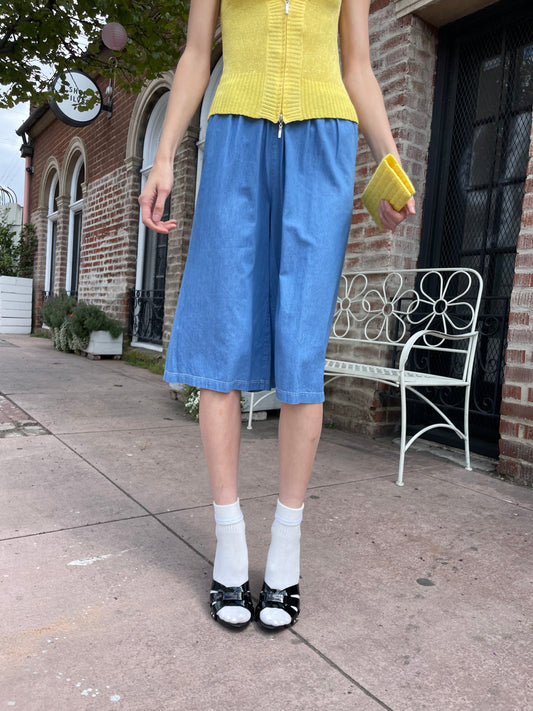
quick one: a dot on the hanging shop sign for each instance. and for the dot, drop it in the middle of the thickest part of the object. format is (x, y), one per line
(83, 103)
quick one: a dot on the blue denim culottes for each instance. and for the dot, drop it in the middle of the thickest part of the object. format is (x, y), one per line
(266, 252)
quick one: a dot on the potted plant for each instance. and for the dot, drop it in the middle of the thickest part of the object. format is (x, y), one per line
(102, 334)
(55, 313)
(78, 326)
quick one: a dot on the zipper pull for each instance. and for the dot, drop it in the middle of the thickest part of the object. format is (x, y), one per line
(286, 7)
(280, 125)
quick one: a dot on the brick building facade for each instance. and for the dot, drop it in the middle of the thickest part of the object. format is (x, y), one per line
(438, 63)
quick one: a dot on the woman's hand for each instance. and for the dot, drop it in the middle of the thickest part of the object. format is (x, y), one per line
(366, 96)
(188, 87)
(153, 197)
(390, 218)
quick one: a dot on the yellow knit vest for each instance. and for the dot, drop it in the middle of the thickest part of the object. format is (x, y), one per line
(281, 59)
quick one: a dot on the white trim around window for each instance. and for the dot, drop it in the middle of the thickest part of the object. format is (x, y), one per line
(76, 206)
(51, 235)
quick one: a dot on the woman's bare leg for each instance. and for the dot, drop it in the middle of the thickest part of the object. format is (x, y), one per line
(300, 427)
(220, 424)
(299, 433)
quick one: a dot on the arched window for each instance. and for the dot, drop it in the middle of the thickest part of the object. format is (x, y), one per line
(74, 227)
(51, 238)
(149, 302)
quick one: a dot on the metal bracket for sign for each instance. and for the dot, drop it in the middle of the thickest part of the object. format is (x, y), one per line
(109, 96)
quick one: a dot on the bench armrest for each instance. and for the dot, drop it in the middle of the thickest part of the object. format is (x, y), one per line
(412, 341)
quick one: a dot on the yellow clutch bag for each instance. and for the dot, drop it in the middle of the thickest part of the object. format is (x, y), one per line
(389, 182)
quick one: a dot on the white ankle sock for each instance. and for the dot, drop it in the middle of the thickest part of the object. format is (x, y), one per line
(283, 560)
(231, 557)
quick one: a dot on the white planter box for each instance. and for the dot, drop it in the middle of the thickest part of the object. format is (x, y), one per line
(101, 343)
(15, 304)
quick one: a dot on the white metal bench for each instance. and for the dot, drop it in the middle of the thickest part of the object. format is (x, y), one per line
(388, 326)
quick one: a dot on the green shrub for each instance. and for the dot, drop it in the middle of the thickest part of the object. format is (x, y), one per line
(27, 249)
(192, 401)
(66, 340)
(72, 322)
(87, 318)
(17, 257)
(8, 250)
(56, 309)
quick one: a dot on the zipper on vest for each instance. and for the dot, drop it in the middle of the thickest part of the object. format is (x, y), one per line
(280, 120)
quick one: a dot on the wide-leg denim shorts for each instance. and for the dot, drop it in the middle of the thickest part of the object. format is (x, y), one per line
(266, 252)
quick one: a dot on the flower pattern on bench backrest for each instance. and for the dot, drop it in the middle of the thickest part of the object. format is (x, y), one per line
(387, 307)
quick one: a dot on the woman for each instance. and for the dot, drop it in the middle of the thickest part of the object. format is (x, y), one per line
(267, 247)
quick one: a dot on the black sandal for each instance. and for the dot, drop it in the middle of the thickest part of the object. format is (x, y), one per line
(220, 596)
(287, 600)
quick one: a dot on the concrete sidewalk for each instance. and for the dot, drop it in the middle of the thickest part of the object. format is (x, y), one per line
(413, 598)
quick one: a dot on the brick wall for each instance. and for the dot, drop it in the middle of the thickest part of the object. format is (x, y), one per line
(109, 242)
(516, 425)
(110, 210)
(403, 58)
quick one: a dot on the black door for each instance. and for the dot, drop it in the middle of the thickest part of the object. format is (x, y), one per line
(476, 176)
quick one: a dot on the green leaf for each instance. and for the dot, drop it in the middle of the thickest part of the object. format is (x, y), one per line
(33, 34)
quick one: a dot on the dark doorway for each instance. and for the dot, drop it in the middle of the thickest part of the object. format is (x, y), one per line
(476, 175)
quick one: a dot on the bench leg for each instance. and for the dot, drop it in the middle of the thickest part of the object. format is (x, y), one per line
(466, 429)
(250, 414)
(403, 436)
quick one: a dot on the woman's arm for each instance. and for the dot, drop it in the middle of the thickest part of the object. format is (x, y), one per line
(189, 85)
(366, 95)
